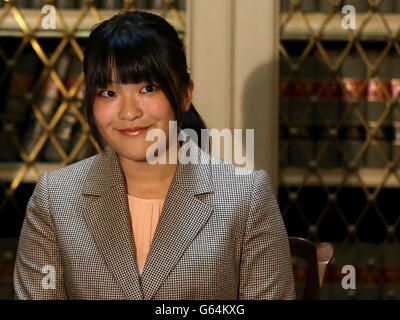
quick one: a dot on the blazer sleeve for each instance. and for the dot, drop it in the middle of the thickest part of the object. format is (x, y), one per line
(266, 268)
(38, 272)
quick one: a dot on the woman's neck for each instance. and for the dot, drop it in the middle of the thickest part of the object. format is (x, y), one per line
(145, 180)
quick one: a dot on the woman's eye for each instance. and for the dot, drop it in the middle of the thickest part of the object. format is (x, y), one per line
(107, 93)
(148, 88)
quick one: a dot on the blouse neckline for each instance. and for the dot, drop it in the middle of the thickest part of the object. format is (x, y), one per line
(145, 199)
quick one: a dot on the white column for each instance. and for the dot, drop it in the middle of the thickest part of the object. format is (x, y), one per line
(232, 48)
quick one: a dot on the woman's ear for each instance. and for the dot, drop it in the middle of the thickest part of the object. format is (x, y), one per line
(188, 97)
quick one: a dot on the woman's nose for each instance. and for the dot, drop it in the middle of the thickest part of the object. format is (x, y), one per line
(129, 109)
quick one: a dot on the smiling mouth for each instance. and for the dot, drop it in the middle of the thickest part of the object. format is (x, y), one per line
(133, 132)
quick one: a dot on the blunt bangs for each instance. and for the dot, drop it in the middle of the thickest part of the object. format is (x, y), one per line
(133, 60)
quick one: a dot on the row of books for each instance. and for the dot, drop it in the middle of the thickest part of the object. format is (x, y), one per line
(352, 118)
(373, 89)
(386, 6)
(354, 103)
(340, 133)
(20, 125)
(315, 93)
(333, 154)
(100, 4)
(351, 69)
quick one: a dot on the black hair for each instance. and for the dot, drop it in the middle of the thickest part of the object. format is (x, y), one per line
(140, 47)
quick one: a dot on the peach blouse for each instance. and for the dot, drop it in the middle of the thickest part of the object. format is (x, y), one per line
(145, 214)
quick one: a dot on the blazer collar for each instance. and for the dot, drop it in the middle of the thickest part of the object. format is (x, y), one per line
(105, 172)
(182, 217)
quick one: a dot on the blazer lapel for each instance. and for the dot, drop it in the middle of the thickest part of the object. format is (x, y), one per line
(107, 217)
(182, 217)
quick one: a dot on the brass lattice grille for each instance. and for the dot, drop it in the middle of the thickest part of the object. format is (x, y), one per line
(42, 123)
(339, 116)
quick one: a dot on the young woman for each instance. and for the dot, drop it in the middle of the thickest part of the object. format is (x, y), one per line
(115, 226)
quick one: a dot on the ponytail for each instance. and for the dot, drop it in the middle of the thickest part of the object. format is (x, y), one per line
(193, 120)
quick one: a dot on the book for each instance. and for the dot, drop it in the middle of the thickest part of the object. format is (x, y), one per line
(359, 5)
(157, 4)
(284, 95)
(305, 5)
(142, 4)
(69, 130)
(64, 130)
(284, 5)
(327, 5)
(13, 113)
(353, 72)
(395, 145)
(378, 97)
(329, 108)
(301, 112)
(65, 4)
(283, 147)
(81, 3)
(180, 4)
(87, 150)
(36, 4)
(387, 6)
(324, 6)
(309, 5)
(22, 3)
(300, 152)
(111, 4)
(395, 93)
(46, 99)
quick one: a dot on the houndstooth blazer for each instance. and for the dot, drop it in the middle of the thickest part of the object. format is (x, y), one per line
(220, 236)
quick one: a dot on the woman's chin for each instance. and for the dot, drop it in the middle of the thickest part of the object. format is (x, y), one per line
(140, 152)
(133, 156)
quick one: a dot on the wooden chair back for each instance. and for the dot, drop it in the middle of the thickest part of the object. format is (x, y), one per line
(317, 257)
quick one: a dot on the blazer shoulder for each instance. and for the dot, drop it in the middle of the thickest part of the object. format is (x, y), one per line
(73, 174)
(235, 179)
(229, 172)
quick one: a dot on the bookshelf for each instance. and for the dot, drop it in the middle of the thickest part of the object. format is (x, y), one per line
(339, 172)
(83, 19)
(295, 27)
(318, 31)
(370, 177)
(10, 170)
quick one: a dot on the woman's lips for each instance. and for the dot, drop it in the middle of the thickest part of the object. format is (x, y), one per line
(133, 132)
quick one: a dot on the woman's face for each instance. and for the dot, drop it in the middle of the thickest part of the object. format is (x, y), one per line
(118, 110)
